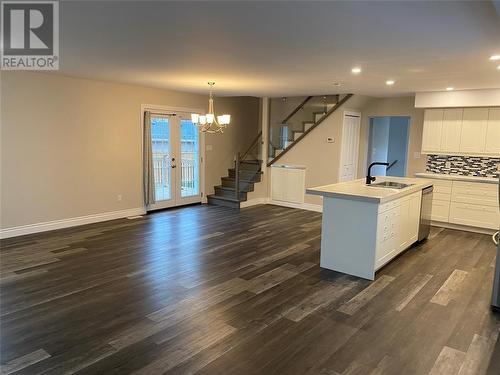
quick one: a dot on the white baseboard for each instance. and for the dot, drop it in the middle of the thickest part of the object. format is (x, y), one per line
(462, 227)
(71, 222)
(302, 206)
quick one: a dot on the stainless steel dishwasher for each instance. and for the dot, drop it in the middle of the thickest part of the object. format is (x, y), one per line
(425, 213)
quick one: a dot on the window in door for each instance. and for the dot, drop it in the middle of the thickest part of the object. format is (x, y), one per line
(162, 154)
(176, 160)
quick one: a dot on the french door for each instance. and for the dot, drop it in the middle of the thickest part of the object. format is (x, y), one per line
(176, 160)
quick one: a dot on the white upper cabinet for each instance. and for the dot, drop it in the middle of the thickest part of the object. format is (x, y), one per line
(433, 126)
(462, 131)
(452, 130)
(493, 132)
(474, 127)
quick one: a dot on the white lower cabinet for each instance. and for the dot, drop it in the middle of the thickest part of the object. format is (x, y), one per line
(288, 184)
(397, 227)
(474, 215)
(440, 210)
(473, 204)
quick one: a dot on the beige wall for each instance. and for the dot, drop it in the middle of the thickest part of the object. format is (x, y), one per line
(322, 159)
(69, 146)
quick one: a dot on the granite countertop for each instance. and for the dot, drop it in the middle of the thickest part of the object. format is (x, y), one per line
(456, 177)
(358, 190)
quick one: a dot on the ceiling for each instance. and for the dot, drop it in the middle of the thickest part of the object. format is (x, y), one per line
(284, 48)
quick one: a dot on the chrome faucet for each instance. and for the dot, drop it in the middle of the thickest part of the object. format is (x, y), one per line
(369, 178)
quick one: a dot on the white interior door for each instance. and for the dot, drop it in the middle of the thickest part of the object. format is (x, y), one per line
(350, 146)
(176, 160)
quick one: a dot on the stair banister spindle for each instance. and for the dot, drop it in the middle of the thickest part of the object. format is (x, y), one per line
(237, 176)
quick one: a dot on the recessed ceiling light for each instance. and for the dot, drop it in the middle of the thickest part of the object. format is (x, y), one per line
(356, 70)
(450, 89)
(498, 67)
(389, 82)
(495, 57)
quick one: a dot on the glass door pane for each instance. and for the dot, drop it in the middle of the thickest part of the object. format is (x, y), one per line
(162, 157)
(190, 158)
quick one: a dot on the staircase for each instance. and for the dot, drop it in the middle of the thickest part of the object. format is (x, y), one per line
(317, 109)
(248, 168)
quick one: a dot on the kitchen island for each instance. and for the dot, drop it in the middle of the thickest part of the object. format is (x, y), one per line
(364, 227)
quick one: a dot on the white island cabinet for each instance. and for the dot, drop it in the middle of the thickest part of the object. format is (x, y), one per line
(364, 227)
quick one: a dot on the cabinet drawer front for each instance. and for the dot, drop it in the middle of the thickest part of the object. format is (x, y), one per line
(440, 211)
(474, 215)
(477, 186)
(439, 182)
(389, 205)
(480, 197)
(441, 197)
(442, 189)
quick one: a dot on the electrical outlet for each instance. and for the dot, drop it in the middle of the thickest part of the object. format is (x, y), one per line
(447, 165)
(119, 198)
(416, 155)
(209, 148)
(498, 167)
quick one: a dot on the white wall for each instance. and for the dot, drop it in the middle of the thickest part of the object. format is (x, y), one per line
(69, 146)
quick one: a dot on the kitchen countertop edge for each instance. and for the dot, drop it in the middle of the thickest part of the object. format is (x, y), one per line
(364, 198)
(455, 177)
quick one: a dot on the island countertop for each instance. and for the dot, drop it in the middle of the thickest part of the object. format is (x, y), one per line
(358, 190)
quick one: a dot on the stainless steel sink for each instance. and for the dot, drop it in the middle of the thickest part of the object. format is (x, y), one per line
(390, 185)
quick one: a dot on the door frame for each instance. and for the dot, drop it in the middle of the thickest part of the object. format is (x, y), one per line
(341, 148)
(170, 109)
(368, 128)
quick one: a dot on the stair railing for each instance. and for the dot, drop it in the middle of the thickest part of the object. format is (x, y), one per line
(298, 108)
(237, 176)
(312, 103)
(239, 158)
(252, 145)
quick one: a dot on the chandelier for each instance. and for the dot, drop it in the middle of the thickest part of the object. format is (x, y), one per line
(209, 123)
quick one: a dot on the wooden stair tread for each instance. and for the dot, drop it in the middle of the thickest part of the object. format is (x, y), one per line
(226, 199)
(229, 188)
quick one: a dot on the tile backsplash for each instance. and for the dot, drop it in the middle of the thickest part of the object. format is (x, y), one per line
(463, 165)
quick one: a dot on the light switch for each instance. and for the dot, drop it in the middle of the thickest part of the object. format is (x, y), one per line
(209, 148)
(416, 155)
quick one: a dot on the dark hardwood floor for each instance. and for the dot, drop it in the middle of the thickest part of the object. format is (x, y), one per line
(211, 290)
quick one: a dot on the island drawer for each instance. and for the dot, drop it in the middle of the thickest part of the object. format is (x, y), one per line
(389, 205)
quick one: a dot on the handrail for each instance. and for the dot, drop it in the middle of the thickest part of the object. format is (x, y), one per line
(333, 109)
(237, 176)
(299, 107)
(254, 142)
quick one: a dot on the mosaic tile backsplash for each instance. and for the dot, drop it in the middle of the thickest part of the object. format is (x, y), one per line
(463, 165)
